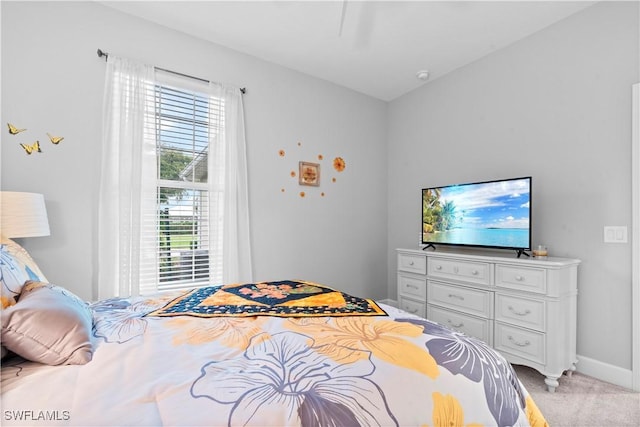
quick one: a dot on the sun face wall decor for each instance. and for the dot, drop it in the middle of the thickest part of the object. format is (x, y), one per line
(308, 173)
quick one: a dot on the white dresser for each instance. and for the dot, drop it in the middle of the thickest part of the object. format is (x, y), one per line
(523, 307)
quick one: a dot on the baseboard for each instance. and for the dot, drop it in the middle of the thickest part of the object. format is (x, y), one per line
(605, 372)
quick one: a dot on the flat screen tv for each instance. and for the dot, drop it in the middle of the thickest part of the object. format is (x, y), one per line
(490, 214)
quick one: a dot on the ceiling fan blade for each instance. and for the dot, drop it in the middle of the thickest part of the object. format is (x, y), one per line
(365, 11)
(364, 28)
(344, 13)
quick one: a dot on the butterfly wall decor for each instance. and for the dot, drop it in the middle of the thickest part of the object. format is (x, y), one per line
(55, 139)
(32, 148)
(14, 130)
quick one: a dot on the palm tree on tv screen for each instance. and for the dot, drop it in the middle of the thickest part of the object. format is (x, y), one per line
(447, 218)
(430, 209)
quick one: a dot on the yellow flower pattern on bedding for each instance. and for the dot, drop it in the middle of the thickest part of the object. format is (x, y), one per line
(448, 412)
(398, 370)
(6, 301)
(534, 415)
(230, 331)
(385, 339)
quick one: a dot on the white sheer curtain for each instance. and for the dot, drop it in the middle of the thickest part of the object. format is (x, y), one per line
(128, 175)
(227, 153)
(127, 199)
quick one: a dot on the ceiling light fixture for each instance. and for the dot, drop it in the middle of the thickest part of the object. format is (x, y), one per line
(423, 75)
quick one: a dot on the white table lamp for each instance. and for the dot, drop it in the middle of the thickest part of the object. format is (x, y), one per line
(23, 215)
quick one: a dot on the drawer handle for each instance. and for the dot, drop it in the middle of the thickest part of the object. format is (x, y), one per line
(519, 344)
(414, 311)
(519, 313)
(460, 297)
(438, 267)
(519, 278)
(475, 272)
(455, 325)
(410, 262)
(456, 269)
(412, 286)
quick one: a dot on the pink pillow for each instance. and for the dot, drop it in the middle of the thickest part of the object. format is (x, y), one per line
(50, 325)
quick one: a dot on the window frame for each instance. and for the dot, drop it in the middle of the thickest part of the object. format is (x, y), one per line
(213, 124)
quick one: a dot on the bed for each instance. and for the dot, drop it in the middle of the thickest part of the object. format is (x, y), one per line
(277, 353)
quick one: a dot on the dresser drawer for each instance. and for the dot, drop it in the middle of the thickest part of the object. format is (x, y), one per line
(525, 312)
(469, 325)
(412, 263)
(521, 278)
(412, 307)
(468, 271)
(520, 342)
(473, 301)
(415, 286)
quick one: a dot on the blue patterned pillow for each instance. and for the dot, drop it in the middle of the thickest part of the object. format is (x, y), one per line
(16, 267)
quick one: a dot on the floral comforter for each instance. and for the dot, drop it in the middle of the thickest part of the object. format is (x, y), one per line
(399, 370)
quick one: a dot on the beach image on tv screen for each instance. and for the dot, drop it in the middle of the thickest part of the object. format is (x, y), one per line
(483, 214)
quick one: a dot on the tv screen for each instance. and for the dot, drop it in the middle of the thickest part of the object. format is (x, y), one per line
(492, 214)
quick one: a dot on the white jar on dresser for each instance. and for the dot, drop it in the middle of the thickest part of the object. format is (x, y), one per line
(523, 307)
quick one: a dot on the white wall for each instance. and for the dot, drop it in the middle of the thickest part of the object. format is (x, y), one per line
(52, 81)
(556, 106)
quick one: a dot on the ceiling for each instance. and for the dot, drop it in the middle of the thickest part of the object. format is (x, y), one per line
(373, 47)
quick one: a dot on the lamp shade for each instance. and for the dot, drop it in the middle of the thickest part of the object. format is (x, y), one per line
(23, 215)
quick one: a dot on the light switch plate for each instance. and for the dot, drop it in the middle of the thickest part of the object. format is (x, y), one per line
(615, 234)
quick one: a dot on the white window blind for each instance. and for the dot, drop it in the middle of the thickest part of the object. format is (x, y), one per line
(187, 236)
(173, 200)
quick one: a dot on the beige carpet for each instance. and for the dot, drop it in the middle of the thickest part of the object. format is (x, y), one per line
(581, 400)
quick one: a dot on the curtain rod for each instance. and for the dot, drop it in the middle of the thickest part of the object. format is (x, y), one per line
(102, 53)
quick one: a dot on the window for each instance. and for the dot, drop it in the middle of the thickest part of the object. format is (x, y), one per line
(186, 121)
(173, 203)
